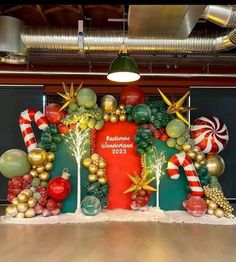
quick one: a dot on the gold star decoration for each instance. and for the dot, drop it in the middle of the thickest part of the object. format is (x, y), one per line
(69, 95)
(140, 182)
(176, 107)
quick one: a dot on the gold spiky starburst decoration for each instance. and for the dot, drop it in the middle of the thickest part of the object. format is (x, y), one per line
(177, 107)
(140, 182)
(69, 95)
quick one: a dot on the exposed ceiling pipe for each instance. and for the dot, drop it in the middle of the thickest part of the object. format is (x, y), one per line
(222, 15)
(60, 73)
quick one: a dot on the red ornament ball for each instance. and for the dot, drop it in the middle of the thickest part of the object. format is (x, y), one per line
(59, 188)
(196, 206)
(132, 95)
(63, 129)
(53, 113)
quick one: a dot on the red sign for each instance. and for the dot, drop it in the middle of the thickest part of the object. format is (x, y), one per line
(115, 143)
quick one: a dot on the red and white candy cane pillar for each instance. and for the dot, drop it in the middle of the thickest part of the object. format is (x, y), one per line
(26, 129)
(185, 161)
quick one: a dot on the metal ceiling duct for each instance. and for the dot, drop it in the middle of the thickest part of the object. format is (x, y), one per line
(12, 49)
(111, 41)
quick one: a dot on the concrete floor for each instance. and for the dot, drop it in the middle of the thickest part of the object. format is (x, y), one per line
(118, 242)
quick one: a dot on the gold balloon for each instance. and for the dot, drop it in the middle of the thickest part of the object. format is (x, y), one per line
(34, 173)
(22, 207)
(113, 119)
(15, 201)
(92, 177)
(87, 162)
(200, 156)
(118, 111)
(121, 106)
(197, 165)
(28, 192)
(30, 213)
(34, 167)
(187, 146)
(101, 173)
(215, 165)
(102, 164)
(196, 149)
(32, 202)
(40, 169)
(192, 154)
(95, 157)
(210, 212)
(108, 103)
(20, 215)
(49, 166)
(44, 176)
(122, 117)
(22, 198)
(212, 205)
(203, 162)
(106, 117)
(11, 210)
(102, 180)
(219, 212)
(51, 156)
(93, 169)
(37, 156)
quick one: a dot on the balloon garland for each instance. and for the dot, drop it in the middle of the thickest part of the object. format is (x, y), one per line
(32, 191)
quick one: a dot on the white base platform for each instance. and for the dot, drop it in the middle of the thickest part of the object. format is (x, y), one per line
(120, 215)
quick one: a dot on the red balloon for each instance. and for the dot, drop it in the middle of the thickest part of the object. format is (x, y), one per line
(53, 114)
(59, 188)
(196, 206)
(132, 95)
(63, 129)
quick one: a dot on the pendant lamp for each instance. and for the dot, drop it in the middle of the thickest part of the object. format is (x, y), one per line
(123, 68)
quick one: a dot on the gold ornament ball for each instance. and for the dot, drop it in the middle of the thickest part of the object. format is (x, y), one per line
(197, 165)
(122, 107)
(208, 200)
(113, 119)
(212, 205)
(20, 215)
(28, 192)
(102, 164)
(200, 156)
(102, 180)
(187, 146)
(51, 156)
(11, 210)
(192, 154)
(210, 211)
(106, 117)
(108, 103)
(203, 162)
(37, 156)
(215, 165)
(101, 173)
(32, 202)
(34, 173)
(44, 176)
(118, 112)
(34, 167)
(122, 118)
(49, 166)
(30, 213)
(22, 198)
(22, 207)
(87, 162)
(40, 169)
(196, 149)
(92, 177)
(93, 169)
(219, 212)
(95, 157)
(15, 201)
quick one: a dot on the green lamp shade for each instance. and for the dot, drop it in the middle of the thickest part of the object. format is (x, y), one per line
(123, 69)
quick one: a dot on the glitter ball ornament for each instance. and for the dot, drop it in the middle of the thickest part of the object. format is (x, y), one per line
(90, 206)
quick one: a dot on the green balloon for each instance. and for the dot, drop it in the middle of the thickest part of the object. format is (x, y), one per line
(14, 163)
(86, 97)
(175, 128)
(141, 113)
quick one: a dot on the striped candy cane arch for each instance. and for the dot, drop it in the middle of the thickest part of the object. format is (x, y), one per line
(210, 134)
(26, 129)
(185, 161)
